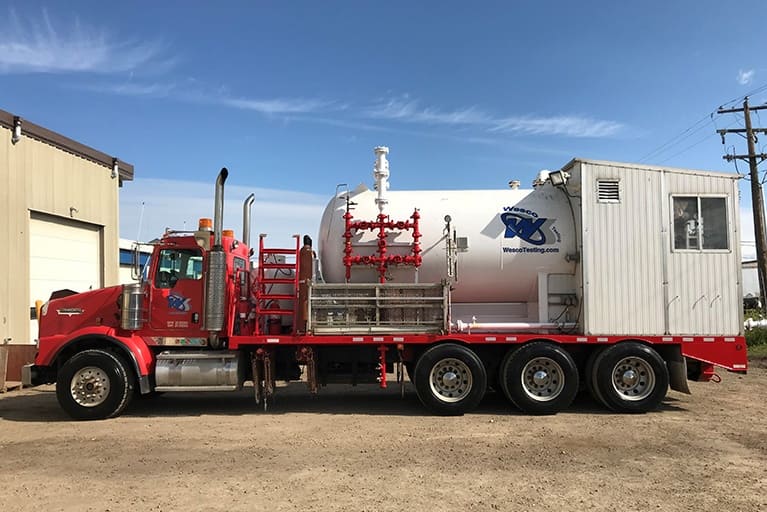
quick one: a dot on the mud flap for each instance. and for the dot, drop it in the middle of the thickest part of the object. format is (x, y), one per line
(677, 370)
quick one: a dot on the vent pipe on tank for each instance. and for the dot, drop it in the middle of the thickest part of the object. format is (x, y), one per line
(246, 219)
(541, 179)
(381, 175)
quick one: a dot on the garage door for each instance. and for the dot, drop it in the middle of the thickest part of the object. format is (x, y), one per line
(63, 254)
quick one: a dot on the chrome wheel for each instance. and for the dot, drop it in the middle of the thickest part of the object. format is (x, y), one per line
(450, 380)
(633, 378)
(542, 379)
(539, 377)
(90, 386)
(630, 377)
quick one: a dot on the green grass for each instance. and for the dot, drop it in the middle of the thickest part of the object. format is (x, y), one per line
(756, 339)
(757, 351)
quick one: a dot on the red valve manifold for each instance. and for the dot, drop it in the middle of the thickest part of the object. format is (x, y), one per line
(381, 260)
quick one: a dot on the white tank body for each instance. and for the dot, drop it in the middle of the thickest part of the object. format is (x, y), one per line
(505, 239)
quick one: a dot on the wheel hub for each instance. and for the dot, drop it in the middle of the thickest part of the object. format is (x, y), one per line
(633, 378)
(629, 377)
(540, 377)
(89, 386)
(450, 380)
(543, 379)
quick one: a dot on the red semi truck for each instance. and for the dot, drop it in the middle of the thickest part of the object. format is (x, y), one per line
(203, 318)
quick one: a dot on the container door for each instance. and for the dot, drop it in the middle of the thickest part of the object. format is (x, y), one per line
(703, 295)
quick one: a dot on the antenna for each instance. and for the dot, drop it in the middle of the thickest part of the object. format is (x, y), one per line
(140, 220)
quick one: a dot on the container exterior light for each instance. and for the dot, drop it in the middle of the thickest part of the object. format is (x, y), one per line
(16, 137)
(557, 178)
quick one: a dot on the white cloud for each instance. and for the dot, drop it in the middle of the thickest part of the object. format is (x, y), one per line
(43, 47)
(274, 106)
(745, 77)
(403, 110)
(571, 126)
(407, 110)
(156, 90)
(179, 204)
(192, 92)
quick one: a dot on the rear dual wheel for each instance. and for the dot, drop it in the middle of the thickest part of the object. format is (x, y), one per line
(539, 378)
(450, 379)
(629, 377)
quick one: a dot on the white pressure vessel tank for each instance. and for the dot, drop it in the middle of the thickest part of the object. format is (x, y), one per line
(504, 239)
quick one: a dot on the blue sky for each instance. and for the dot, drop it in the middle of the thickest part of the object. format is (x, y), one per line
(292, 97)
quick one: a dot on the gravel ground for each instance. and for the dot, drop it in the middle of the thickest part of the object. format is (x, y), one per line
(366, 449)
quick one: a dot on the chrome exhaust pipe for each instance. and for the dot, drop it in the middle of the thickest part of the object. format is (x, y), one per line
(218, 212)
(246, 219)
(215, 289)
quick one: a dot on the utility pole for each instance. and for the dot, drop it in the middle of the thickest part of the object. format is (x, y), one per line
(757, 193)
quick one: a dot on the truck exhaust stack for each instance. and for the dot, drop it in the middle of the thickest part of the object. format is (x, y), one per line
(215, 291)
(246, 218)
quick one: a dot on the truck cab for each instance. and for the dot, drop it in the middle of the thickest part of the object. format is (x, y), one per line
(101, 346)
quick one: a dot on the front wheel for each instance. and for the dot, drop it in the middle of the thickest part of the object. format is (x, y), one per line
(93, 385)
(450, 379)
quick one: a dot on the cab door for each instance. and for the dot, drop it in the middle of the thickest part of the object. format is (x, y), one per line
(177, 296)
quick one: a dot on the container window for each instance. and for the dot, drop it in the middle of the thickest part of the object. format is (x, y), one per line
(700, 223)
(608, 191)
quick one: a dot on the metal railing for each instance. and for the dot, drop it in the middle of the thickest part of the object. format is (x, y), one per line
(370, 308)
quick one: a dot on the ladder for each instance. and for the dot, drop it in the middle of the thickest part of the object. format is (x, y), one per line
(275, 271)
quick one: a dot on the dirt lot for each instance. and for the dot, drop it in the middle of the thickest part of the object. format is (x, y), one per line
(363, 449)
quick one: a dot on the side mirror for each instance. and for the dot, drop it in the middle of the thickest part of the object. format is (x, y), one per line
(135, 271)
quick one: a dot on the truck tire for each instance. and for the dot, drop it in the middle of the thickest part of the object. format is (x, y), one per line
(631, 377)
(93, 385)
(590, 375)
(410, 367)
(539, 378)
(450, 379)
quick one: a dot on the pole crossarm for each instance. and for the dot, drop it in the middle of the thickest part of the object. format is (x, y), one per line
(761, 156)
(742, 130)
(733, 110)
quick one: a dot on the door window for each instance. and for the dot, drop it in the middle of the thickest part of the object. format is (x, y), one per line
(178, 264)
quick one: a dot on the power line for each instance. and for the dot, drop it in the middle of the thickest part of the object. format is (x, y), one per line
(750, 93)
(685, 134)
(704, 139)
(696, 127)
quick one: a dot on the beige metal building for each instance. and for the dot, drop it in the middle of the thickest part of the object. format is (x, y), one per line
(59, 222)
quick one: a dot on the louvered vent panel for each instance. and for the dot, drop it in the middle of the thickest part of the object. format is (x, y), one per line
(608, 191)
